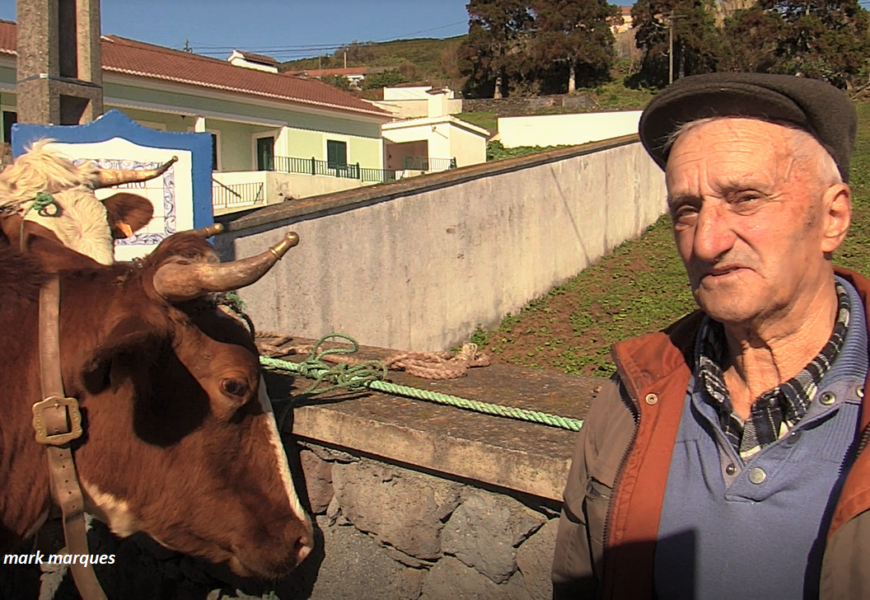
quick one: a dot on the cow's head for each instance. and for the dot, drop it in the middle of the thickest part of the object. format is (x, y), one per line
(180, 441)
(80, 221)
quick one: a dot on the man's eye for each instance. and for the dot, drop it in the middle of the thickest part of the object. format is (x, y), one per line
(746, 202)
(684, 215)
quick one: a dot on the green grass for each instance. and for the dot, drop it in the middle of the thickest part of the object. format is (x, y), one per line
(487, 120)
(638, 288)
(615, 96)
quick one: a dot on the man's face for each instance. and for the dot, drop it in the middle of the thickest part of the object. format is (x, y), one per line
(749, 221)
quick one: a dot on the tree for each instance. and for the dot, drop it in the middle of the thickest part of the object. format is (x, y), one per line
(575, 33)
(383, 79)
(498, 32)
(822, 40)
(337, 81)
(697, 40)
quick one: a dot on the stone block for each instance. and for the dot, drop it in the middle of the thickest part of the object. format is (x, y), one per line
(535, 560)
(450, 579)
(486, 529)
(318, 480)
(398, 507)
(355, 566)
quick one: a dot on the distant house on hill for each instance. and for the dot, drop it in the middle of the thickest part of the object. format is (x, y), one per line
(355, 75)
(624, 24)
(253, 61)
(277, 136)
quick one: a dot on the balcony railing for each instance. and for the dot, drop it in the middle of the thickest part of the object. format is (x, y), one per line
(312, 166)
(237, 194)
(424, 163)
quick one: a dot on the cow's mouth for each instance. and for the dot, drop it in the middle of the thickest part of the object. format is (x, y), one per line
(265, 568)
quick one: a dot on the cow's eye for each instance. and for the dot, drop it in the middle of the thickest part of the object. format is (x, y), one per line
(235, 387)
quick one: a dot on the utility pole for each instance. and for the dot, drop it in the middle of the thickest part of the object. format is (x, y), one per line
(670, 48)
(345, 59)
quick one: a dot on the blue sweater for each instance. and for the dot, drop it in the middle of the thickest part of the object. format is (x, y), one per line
(757, 530)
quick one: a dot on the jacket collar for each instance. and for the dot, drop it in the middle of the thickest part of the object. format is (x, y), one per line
(647, 359)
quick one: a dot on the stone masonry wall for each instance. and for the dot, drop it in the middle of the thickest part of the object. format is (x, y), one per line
(516, 107)
(395, 533)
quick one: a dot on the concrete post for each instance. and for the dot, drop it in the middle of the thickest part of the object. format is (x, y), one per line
(59, 62)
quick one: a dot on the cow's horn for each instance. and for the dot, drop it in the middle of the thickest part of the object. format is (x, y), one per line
(178, 282)
(109, 177)
(207, 232)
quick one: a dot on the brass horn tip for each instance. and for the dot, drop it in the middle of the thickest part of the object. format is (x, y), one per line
(281, 248)
(207, 232)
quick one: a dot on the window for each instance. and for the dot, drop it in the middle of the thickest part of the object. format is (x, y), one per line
(266, 153)
(214, 152)
(10, 118)
(336, 154)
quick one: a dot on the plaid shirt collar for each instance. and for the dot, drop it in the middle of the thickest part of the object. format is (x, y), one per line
(777, 410)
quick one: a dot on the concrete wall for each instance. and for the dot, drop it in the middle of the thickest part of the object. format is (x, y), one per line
(420, 263)
(556, 130)
(466, 147)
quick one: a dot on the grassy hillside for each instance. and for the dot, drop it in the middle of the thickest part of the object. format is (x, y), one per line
(424, 59)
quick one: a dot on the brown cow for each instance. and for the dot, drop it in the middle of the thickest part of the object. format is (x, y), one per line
(179, 440)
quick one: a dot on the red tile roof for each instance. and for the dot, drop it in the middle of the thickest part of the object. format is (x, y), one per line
(121, 55)
(261, 58)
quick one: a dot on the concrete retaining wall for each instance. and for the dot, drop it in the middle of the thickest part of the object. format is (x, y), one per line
(556, 130)
(420, 263)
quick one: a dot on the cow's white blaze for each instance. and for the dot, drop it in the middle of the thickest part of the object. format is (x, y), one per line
(111, 510)
(281, 457)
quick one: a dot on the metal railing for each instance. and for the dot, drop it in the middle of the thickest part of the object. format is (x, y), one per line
(424, 163)
(312, 166)
(236, 194)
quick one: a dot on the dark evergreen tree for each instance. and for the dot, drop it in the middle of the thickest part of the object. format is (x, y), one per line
(575, 35)
(697, 43)
(496, 47)
(822, 40)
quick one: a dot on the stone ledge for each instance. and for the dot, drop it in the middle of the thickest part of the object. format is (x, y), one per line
(506, 453)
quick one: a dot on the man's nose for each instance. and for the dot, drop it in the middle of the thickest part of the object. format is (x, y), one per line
(713, 233)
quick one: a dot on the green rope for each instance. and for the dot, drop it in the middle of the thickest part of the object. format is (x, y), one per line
(366, 375)
(42, 201)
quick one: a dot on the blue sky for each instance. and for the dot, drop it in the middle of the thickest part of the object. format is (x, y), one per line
(283, 29)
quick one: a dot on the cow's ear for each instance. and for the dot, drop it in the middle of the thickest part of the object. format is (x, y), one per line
(134, 340)
(127, 213)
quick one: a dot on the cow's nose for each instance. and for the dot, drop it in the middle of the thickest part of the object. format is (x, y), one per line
(304, 545)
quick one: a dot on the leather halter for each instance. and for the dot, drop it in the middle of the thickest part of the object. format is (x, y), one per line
(57, 422)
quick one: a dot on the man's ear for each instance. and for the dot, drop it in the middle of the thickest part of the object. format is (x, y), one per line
(837, 204)
(127, 213)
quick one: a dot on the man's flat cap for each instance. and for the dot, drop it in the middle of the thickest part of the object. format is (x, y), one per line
(812, 105)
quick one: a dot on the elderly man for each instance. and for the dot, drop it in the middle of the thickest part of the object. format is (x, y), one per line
(725, 460)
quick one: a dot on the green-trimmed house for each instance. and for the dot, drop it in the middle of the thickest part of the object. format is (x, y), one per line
(277, 136)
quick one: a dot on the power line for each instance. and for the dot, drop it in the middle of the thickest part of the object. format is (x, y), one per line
(208, 50)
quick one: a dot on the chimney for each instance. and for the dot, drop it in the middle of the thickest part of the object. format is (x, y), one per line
(438, 98)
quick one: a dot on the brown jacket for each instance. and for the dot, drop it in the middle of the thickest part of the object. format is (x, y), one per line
(605, 546)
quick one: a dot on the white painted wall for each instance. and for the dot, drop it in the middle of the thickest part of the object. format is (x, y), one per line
(556, 130)
(419, 269)
(448, 137)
